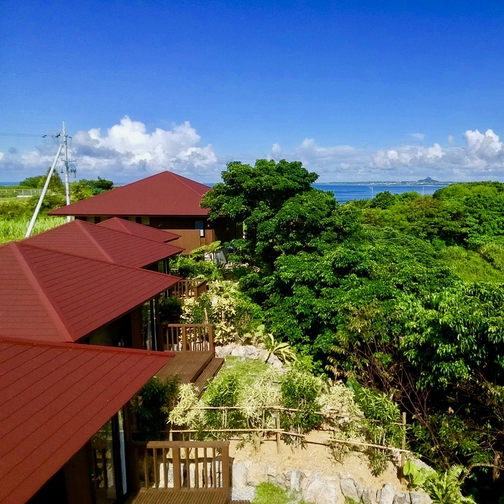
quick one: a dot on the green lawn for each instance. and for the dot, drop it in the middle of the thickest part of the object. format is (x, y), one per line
(15, 229)
(267, 493)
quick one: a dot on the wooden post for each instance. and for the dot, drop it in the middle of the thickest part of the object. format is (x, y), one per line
(146, 467)
(184, 338)
(277, 422)
(210, 338)
(176, 467)
(403, 444)
(165, 469)
(226, 483)
(187, 468)
(156, 468)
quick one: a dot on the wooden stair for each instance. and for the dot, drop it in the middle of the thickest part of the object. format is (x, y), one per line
(208, 372)
(186, 365)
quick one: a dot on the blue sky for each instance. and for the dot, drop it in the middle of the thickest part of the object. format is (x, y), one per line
(356, 90)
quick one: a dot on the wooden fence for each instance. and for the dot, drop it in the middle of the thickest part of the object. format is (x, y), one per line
(19, 193)
(188, 337)
(188, 288)
(279, 431)
(184, 465)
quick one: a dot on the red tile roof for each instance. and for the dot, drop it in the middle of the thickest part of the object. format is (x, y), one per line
(53, 398)
(163, 194)
(89, 240)
(140, 230)
(52, 296)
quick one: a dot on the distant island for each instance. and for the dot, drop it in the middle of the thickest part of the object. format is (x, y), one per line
(425, 181)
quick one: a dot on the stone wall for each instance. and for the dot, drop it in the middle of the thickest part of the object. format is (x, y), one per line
(316, 488)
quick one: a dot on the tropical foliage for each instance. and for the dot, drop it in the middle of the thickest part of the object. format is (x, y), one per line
(401, 294)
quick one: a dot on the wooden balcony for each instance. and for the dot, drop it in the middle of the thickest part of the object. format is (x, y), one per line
(194, 360)
(182, 472)
(188, 288)
(187, 337)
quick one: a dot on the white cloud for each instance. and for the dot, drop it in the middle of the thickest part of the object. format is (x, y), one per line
(128, 148)
(408, 155)
(276, 149)
(481, 157)
(127, 151)
(482, 154)
(418, 136)
(341, 162)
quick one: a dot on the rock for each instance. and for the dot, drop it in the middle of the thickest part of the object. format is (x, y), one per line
(386, 494)
(247, 351)
(243, 494)
(274, 361)
(257, 474)
(420, 498)
(348, 489)
(402, 498)
(321, 492)
(222, 351)
(368, 496)
(421, 464)
(359, 489)
(271, 472)
(240, 475)
(296, 480)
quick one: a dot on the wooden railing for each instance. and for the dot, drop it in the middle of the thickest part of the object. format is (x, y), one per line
(188, 288)
(187, 337)
(184, 465)
(102, 462)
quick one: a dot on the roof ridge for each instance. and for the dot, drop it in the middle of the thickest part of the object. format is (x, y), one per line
(183, 181)
(127, 232)
(72, 254)
(134, 236)
(95, 242)
(83, 346)
(40, 290)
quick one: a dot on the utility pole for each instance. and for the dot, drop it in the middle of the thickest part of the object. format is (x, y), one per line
(42, 194)
(67, 168)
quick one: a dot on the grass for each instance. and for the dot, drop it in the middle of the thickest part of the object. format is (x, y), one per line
(470, 266)
(15, 229)
(247, 370)
(268, 493)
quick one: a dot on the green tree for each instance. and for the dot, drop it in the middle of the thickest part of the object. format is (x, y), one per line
(253, 196)
(37, 182)
(83, 188)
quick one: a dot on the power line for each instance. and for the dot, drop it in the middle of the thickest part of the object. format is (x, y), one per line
(28, 135)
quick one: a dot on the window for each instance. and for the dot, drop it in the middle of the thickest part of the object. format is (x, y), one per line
(199, 224)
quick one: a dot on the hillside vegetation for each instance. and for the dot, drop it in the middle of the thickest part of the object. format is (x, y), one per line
(15, 213)
(401, 295)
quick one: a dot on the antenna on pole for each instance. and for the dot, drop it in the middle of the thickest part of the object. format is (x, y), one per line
(68, 168)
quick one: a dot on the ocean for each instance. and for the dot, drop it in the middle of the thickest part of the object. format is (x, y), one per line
(348, 192)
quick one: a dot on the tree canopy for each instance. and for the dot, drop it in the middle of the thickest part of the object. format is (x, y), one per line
(401, 293)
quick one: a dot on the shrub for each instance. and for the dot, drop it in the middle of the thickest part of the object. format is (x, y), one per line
(170, 309)
(300, 391)
(151, 407)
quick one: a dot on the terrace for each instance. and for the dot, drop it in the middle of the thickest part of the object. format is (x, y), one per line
(194, 360)
(182, 472)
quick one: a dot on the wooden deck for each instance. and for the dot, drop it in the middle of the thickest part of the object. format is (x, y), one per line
(180, 497)
(191, 367)
(183, 472)
(183, 497)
